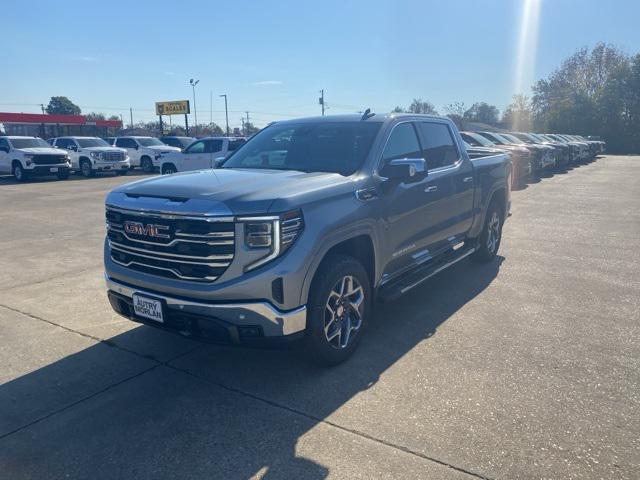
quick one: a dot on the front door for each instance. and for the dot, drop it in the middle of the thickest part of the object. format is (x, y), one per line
(409, 210)
(133, 149)
(196, 157)
(5, 164)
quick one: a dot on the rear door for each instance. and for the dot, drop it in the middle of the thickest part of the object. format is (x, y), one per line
(215, 148)
(452, 173)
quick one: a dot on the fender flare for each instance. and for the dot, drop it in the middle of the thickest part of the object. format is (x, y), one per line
(330, 241)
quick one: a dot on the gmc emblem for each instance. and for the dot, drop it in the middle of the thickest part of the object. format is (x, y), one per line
(149, 230)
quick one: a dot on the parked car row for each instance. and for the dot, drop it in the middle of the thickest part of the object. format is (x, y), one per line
(27, 157)
(533, 153)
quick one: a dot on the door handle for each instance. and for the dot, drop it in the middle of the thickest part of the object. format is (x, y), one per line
(467, 179)
(430, 189)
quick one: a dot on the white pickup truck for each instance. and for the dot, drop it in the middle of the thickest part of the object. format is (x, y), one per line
(25, 157)
(92, 154)
(201, 154)
(144, 152)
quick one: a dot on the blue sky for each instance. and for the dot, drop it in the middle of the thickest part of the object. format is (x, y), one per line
(272, 57)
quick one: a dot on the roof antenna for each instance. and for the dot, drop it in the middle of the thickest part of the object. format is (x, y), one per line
(367, 114)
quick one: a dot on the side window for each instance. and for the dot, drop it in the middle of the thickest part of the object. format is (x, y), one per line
(213, 146)
(439, 148)
(402, 143)
(470, 140)
(62, 143)
(197, 147)
(4, 144)
(126, 143)
(233, 144)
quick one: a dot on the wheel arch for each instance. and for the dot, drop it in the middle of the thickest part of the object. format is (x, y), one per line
(359, 245)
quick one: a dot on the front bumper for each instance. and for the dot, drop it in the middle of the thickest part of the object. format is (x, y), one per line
(229, 322)
(111, 166)
(46, 169)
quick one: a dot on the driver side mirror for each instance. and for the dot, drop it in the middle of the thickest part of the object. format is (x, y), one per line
(136, 146)
(406, 170)
(218, 161)
(4, 149)
(73, 147)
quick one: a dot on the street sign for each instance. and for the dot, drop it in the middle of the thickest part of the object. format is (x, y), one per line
(177, 107)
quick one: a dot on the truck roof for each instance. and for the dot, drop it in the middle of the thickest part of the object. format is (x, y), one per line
(376, 118)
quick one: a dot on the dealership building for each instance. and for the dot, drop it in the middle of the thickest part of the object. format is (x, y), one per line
(47, 126)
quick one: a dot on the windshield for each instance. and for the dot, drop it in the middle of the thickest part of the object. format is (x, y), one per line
(29, 143)
(513, 139)
(338, 147)
(478, 140)
(91, 142)
(149, 142)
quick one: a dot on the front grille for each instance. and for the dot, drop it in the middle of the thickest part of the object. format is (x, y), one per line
(112, 156)
(49, 159)
(196, 249)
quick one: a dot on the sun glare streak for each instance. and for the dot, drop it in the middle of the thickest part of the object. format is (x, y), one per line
(527, 46)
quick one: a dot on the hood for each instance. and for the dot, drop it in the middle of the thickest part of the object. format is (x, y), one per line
(43, 151)
(163, 148)
(242, 191)
(103, 149)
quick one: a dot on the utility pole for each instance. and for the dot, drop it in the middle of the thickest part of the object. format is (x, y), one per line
(248, 123)
(243, 130)
(131, 114)
(321, 100)
(42, 107)
(226, 111)
(211, 107)
(121, 122)
(195, 110)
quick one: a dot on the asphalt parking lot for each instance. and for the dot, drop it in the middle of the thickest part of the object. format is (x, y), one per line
(528, 367)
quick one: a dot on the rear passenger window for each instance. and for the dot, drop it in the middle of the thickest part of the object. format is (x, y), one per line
(233, 144)
(402, 143)
(213, 146)
(438, 146)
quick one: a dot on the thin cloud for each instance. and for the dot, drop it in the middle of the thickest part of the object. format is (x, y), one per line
(268, 82)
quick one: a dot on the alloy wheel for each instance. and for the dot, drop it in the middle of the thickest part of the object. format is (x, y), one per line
(493, 231)
(343, 312)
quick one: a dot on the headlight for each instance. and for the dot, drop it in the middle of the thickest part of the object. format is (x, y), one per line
(274, 234)
(95, 154)
(28, 156)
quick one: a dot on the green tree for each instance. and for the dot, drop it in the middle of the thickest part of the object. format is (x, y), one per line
(397, 109)
(93, 116)
(455, 111)
(62, 106)
(420, 106)
(518, 115)
(482, 112)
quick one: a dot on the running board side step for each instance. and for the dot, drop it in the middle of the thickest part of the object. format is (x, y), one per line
(398, 287)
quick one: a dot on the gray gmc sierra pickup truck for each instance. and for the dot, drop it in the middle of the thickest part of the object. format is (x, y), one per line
(296, 234)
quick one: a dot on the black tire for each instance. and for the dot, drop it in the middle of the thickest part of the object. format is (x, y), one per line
(487, 250)
(169, 169)
(63, 175)
(19, 173)
(85, 169)
(146, 164)
(323, 299)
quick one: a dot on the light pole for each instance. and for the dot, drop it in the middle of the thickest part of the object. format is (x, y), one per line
(226, 111)
(195, 111)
